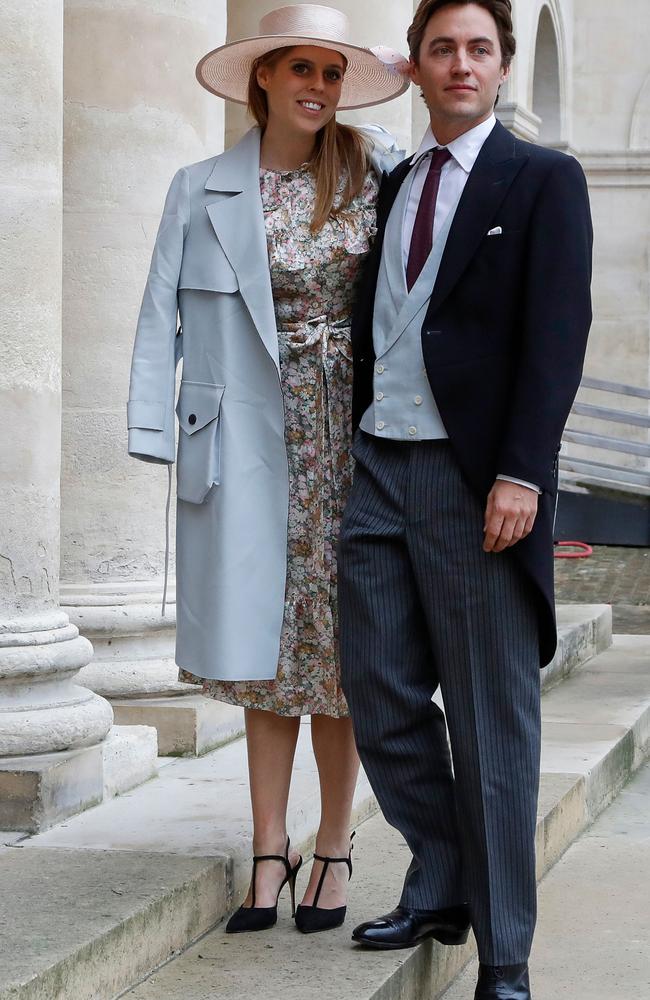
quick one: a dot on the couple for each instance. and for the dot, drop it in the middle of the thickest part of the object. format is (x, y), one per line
(456, 285)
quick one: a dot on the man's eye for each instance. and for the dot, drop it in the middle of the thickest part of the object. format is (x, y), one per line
(442, 50)
(481, 51)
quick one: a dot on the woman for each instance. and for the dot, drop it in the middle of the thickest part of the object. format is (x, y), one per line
(260, 249)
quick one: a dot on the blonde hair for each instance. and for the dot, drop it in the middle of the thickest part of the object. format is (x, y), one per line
(341, 151)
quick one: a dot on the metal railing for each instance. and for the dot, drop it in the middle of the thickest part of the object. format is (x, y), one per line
(587, 471)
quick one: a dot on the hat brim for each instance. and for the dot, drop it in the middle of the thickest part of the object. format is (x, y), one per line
(225, 71)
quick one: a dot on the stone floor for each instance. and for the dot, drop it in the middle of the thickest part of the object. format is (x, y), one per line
(593, 932)
(616, 576)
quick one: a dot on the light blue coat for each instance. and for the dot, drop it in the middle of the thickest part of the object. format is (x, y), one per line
(210, 266)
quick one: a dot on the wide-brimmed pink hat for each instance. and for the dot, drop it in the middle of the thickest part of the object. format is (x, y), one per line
(372, 76)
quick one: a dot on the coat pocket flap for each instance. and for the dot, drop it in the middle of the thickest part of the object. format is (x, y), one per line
(209, 274)
(198, 404)
(148, 416)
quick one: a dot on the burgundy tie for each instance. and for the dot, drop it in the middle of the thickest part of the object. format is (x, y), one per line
(422, 238)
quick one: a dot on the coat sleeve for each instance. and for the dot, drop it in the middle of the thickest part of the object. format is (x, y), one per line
(150, 411)
(556, 321)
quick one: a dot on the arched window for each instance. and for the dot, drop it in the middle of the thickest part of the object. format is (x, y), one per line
(546, 81)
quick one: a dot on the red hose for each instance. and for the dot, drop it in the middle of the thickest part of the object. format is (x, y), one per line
(584, 550)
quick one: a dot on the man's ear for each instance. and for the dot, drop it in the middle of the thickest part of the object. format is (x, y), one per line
(505, 73)
(413, 71)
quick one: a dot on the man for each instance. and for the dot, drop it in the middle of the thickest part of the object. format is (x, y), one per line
(466, 366)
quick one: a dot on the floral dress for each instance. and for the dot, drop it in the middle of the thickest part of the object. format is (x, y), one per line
(314, 278)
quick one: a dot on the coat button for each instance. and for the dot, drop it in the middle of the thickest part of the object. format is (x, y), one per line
(192, 418)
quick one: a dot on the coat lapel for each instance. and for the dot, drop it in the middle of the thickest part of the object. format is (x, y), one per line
(238, 223)
(495, 169)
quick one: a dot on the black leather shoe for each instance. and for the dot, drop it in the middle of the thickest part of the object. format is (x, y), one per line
(502, 982)
(404, 928)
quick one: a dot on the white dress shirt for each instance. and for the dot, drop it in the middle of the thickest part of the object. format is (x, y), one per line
(453, 178)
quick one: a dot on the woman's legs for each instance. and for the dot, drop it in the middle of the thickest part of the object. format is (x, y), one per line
(271, 741)
(338, 767)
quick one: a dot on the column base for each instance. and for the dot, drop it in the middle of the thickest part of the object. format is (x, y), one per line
(133, 643)
(43, 708)
(134, 667)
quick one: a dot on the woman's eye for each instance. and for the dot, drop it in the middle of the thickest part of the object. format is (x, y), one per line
(334, 75)
(300, 68)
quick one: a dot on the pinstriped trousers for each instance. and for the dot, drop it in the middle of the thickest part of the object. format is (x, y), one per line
(421, 607)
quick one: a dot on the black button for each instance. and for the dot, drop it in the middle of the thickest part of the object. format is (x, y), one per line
(192, 418)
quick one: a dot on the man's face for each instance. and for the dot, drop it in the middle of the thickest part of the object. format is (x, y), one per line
(459, 68)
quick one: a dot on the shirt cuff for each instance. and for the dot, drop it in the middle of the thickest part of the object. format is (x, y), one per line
(520, 482)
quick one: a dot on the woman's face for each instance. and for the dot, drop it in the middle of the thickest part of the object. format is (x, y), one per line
(303, 88)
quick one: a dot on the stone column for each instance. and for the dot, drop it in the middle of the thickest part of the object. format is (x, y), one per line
(50, 728)
(372, 24)
(133, 115)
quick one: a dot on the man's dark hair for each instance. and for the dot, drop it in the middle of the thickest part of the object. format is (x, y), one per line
(501, 11)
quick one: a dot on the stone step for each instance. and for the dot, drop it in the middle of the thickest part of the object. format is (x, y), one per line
(37, 792)
(605, 874)
(187, 724)
(130, 758)
(583, 631)
(159, 866)
(596, 732)
(197, 810)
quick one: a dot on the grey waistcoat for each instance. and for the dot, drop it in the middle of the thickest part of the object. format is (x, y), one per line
(403, 406)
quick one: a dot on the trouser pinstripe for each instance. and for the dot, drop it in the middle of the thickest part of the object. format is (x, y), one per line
(422, 606)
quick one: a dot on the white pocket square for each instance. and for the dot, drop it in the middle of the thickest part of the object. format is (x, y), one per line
(497, 231)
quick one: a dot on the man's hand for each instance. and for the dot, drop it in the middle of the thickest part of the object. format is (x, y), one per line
(509, 515)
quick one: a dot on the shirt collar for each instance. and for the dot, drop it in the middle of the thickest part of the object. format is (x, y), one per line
(465, 148)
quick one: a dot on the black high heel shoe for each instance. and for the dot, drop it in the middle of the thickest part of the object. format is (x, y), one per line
(310, 919)
(259, 918)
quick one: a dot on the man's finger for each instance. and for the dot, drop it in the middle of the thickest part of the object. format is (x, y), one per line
(492, 532)
(505, 535)
(520, 531)
(530, 522)
(489, 513)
